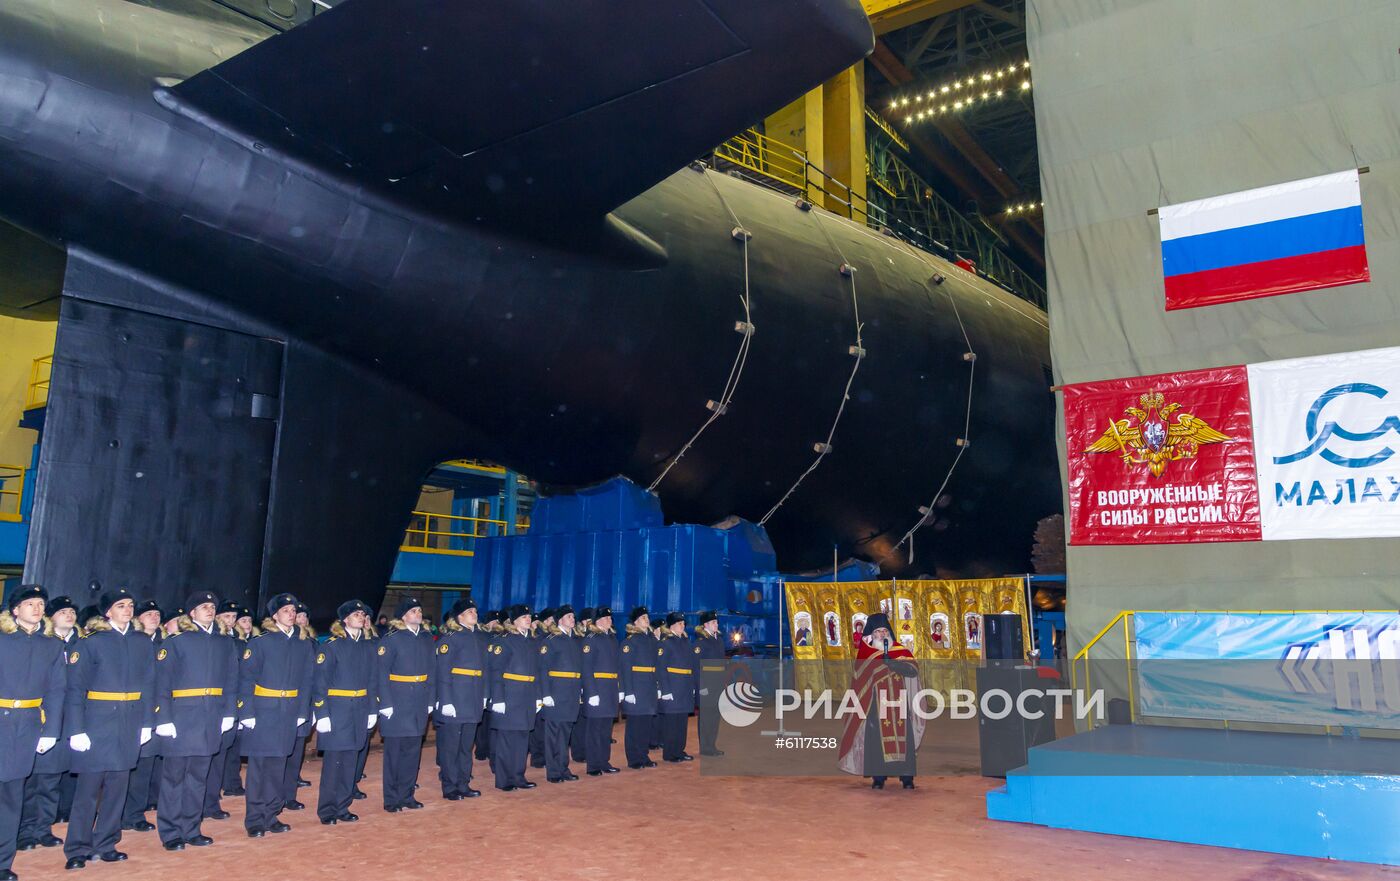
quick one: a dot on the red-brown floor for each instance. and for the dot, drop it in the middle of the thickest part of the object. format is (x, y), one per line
(670, 823)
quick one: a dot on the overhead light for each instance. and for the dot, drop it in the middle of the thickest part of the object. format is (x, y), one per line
(1025, 85)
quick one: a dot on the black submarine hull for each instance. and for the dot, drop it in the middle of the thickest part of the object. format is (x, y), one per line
(326, 344)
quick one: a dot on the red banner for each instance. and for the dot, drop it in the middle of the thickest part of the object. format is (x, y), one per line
(1162, 459)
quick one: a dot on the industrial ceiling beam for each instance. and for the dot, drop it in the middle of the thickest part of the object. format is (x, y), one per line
(897, 73)
(954, 172)
(891, 15)
(935, 27)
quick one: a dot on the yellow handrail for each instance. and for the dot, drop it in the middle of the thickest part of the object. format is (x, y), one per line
(40, 374)
(767, 156)
(12, 486)
(476, 465)
(451, 529)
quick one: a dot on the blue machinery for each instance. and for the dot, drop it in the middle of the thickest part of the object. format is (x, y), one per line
(609, 545)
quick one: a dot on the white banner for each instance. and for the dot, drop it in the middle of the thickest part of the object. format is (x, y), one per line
(1327, 445)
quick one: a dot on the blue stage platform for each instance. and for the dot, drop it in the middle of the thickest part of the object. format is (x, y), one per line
(1331, 797)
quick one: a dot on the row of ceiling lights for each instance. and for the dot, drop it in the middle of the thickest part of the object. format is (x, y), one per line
(1023, 208)
(964, 93)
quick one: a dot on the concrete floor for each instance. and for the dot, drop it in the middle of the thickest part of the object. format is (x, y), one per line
(670, 823)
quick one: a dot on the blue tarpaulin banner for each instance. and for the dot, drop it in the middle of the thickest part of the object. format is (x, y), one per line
(1332, 668)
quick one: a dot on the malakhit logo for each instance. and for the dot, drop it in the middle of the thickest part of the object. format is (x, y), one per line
(740, 704)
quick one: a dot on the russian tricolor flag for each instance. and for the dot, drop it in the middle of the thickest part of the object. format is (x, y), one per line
(1297, 236)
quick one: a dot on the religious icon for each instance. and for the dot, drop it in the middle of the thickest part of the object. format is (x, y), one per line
(972, 622)
(832, 623)
(858, 625)
(906, 609)
(885, 606)
(907, 639)
(802, 629)
(938, 631)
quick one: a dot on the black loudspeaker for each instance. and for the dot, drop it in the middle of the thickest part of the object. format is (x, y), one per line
(1004, 744)
(1002, 639)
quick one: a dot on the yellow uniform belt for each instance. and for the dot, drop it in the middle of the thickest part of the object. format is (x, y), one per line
(679, 671)
(394, 677)
(259, 691)
(713, 669)
(516, 677)
(565, 674)
(197, 692)
(643, 669)
(465, 671)
(20, 704)
(114, 695)
(604, 675)
(346, 692)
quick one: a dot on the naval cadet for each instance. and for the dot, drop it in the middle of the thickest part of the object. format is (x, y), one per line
(490, 626)
(405, 691)
(561, 661)
(232, 784)
(143, 790)
(224, 623)
(43, 791)
(512, 671)
(713, 668)
(274, 702)
(299, 750)
(109, 711)
(539, 629)
(576, 745)
(31, 706)
(460, 679)
(344, 704)
(639, 688)
(196, 685)
(602, 657)
(676, 662)
(357, 794)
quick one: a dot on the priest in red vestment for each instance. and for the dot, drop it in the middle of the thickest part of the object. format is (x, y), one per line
(885, 741)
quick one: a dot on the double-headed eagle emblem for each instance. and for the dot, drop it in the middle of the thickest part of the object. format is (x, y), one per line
(1154, 441)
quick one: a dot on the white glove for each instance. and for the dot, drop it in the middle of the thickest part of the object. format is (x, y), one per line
(658, 694)
(549, 700)
(372, 719)
(449, 711)
(484, 702)
(301, 722)
(631, 698)
(145, 736)
(538, 704)
(593, 701)
(247, 723)
(498, 707)
(667, 697)
(226, 724)
(45, 744)
(165, 729)
(324, 725)
(80, 743)
(387, 712)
